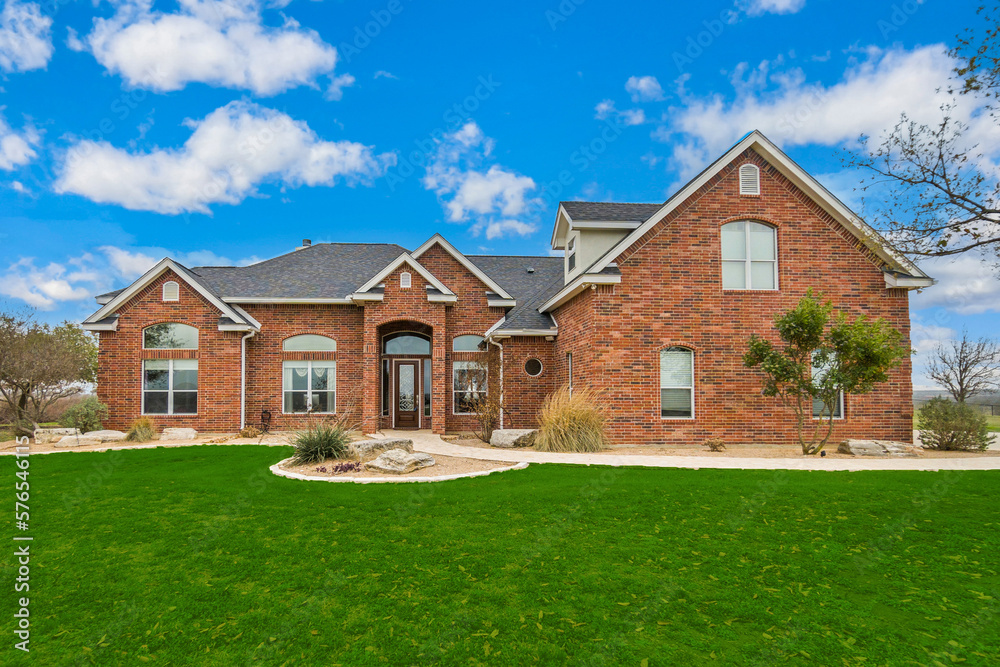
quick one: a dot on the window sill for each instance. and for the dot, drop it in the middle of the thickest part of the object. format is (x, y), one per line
(677, 419)
(737, 290)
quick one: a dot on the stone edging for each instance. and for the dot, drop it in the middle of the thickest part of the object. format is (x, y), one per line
(276, 469)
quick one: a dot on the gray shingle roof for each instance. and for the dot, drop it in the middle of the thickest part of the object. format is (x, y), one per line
(530, 289)
(605, 211)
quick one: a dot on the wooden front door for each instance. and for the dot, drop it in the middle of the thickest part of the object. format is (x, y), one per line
(406, 397)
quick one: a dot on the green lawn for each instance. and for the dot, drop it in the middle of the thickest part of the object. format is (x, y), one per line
(200, 556)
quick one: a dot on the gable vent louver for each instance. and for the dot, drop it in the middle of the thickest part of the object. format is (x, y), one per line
(171, 291)
(749, 180)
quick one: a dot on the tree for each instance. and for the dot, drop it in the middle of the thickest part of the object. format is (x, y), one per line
(488, 406)
(40, 364)
(935, 191)
(966, 367)
(820, 359)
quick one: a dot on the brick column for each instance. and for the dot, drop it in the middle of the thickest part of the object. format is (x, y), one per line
(371, 375)
(440, 382)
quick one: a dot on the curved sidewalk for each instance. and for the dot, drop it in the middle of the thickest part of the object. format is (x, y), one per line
(430, 443)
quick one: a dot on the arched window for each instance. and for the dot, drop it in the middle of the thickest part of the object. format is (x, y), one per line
(171, 291)
(467, 344)
(309, 343)
(749, 180)
(749, 256)
(677, 383)
(406, 343)
(170, 336)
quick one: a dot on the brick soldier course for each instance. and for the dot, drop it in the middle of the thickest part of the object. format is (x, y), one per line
(645, 278)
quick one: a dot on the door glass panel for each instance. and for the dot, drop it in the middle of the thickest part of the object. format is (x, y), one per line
(407, 389)
(427, 387)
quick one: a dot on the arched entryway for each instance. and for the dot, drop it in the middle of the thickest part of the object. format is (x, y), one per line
(405, 365)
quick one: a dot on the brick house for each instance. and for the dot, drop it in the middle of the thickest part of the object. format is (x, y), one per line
(650, 304)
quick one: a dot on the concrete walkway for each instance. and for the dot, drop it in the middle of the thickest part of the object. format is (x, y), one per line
(428, 442)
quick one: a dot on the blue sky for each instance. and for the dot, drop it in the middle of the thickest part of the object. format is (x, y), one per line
(225, 132)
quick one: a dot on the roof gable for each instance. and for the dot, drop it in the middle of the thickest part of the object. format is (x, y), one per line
(406, 258)
(439, 240)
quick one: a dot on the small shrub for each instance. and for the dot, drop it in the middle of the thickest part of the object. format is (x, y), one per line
(339, 468)
(251, 432)
(953, 426)
(142, 430)
(323, 442)
(86, 415)
(715, 445)
(571, 422)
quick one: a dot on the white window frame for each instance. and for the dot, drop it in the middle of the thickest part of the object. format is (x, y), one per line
(309, 392)
(405, 280)
(176, 288)
(747, 262)
(541, 367)
(454, 392)
(840, 402)
(690, 387)
(169, 391)
(284, 343)
(571, 255)
(756, 173)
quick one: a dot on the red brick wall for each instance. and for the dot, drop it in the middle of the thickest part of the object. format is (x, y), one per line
(523, 394)
(671, 294)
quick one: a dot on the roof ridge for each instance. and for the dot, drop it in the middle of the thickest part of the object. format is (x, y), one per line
(589, 201)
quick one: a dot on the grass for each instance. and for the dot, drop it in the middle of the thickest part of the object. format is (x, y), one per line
(200, 556)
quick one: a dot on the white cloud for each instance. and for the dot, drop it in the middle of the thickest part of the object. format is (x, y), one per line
(18, 186)
(45, 287)
(492, 197)
(633, 116)
(869, 99)
(644, 88)
(229, 154)
(217, 42)
(128, 264)
(382, 74)
(606, 108)
(337, 84)
(25, 37)
(758, 7)
(16, 148)
(967, 285)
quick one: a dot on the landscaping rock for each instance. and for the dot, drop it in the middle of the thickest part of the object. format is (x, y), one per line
(366, 450)
(508, 438)
(178, 434)
(106, 435)
(881, 448)
(76, 441)
(44, 436)
(398, 462)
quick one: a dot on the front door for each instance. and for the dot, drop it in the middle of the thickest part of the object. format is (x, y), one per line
(406, 404)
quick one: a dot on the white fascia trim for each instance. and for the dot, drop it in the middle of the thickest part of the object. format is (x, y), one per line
(907, 282)
(101, 300)
(113, 326)
(246, 317)
(237, 327)
(562, 213)
(463, 260)
(501, 303)
(527, 333)
(579, 284)
(162, 266)
(489, 332)
(442, 298)
(405, 258)
(366, 296)
(605, 224)
(794, 173)
(235, 299)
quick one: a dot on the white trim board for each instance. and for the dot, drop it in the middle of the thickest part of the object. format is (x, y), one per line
(405, 258)
(461, 259)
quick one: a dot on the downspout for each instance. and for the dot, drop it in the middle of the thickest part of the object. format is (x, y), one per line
(243, 378)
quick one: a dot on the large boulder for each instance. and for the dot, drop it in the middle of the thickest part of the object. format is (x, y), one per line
(508, 438)
(106, 435)
(876, 448)
(366, 450)
(45, 436)
(399, 462)
(178, 434)
(76, 441)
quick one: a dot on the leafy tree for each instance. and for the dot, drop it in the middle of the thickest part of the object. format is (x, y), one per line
(819, 359)
(41, 364)
(966, 367)
(934, 189)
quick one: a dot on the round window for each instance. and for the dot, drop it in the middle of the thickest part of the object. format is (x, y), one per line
(533, 367)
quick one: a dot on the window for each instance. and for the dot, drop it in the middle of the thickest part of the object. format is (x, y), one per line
(749, 180)
(310, 386)
(677, 383)
(170, 336)
(569, 371)
(406, 343)
(170, 387)
(467, 344)
(386, 384)
(819, 409)
(749, 256)
(427, 387)
(533, 367)
(571, 254)
(171, 291)
(405, 280)
(469, 385)
(309, 343)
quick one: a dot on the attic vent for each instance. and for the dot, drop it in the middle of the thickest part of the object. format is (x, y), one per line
(405, 280)
(171, 291)
(531, 269)
(749, 180)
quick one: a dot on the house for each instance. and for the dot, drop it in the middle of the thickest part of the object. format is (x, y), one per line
(651, 305)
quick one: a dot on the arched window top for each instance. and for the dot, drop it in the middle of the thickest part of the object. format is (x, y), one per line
(309, 343)
(170, 336)
(406, 342)
(468, 343)
(749, 180)
(171, 291)
(405, 280)
(749, 256)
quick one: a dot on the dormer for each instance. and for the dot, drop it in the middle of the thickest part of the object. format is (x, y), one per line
(585, 231)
